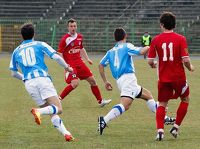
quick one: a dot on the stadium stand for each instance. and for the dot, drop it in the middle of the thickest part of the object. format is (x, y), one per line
(33, 9)
(96, 20)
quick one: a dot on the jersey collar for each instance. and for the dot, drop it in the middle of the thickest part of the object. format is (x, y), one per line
(27, 41)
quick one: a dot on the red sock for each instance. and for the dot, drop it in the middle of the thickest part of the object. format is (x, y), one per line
(181, 112)
(160, 116)
(96, 93)
(66, 91)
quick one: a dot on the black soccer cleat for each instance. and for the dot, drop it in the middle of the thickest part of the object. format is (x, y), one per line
(174, 132)
(169, 120)
(102, 124)
(160, 136)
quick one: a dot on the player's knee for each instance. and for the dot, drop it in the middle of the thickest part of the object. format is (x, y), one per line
(60, 111)
(186, 99)
(126, 107)
(75, 83)
(93, 82)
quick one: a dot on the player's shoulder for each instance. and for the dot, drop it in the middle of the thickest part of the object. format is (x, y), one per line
(65, 36)
(130, 45)
(79, 36)
(179, 35)
(16, 49)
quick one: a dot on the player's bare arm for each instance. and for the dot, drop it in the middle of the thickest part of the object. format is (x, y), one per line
(144, 50)
(108, 85)
(85, 56)
(187, 63)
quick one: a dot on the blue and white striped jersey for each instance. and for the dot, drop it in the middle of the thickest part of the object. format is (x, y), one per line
(120, 59)
(29, 57)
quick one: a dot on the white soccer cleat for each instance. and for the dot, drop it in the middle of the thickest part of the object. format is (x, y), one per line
(104, 102)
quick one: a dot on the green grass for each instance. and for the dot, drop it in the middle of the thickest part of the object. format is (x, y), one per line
(135, 129)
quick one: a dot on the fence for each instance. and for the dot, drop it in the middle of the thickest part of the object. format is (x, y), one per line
(98, 34)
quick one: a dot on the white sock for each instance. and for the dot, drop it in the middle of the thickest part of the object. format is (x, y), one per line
(58, 124)
(52, 109)
(114, 112)
(152, 105)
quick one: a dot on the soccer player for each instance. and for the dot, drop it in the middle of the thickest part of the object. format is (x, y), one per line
(29, 57)
(72, 50)
(122, 68)
(172, 52)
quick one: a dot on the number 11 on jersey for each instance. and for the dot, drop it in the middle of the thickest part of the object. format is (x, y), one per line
(164, 47)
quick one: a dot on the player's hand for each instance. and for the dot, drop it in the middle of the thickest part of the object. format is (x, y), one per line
(191, 68)
(90, 61)
(154, 65)
(108, 86)
(69, 69)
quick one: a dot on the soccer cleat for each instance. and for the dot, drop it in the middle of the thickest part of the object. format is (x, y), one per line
(104, 102)
(169, 120)
(160, 136)
(102, 124)
(69, 138)
(36, 115)
(174, 132)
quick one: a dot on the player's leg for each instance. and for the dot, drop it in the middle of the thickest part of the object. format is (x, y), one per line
(72, 82)
(116, 111)
(152, 105)
(70, 87)
(96, 92)
(165, 92)
(34, 88)
(147, 96)
(127, 84)
(57, 121)
(183, 91)
(160, 119)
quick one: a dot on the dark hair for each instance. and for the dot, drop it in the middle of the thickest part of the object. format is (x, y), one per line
(71, 20)
(119, 34)
(27, 31)
(168, 19)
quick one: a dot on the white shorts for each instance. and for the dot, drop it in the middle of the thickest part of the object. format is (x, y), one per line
(40, 89)
(128, 86)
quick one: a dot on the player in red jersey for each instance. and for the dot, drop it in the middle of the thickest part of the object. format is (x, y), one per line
(172, 51)
(72, 50)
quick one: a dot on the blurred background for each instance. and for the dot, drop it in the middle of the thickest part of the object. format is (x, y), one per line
(96, 20)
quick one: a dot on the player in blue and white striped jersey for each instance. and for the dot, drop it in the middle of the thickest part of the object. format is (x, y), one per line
(29, 57)
(120, 60)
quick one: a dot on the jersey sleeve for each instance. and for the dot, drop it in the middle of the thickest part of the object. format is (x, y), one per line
(105, 60)
(132, 50)
(48, 50)
(13, 63)
(184, 48)
(152, 50)
(61, 45)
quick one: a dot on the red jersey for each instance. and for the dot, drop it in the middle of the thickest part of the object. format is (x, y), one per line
(70, 46)
(170, 49)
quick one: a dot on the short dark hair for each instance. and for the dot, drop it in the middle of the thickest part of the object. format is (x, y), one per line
(168, 19)
(71, 20)
(27, 31)
(119, 34)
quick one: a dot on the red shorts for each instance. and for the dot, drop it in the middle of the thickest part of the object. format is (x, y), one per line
(172, 90)
(82, 72)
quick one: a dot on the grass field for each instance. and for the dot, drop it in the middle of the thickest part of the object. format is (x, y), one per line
(134, 130)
